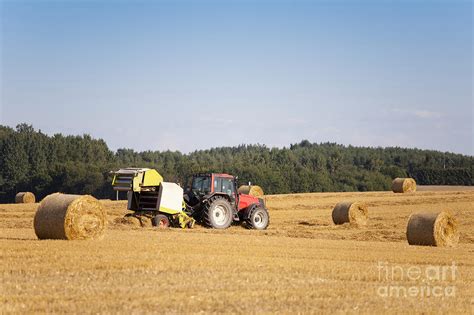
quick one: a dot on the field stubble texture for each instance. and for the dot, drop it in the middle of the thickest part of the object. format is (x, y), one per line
(302, 263)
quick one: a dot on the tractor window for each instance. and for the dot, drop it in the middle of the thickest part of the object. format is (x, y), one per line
(218, 184)
(225, 185)
(201, 185)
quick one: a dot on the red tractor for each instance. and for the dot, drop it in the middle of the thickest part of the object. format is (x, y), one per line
(214, 201)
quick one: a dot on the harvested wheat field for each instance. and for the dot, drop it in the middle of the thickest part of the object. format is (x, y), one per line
(303, 263)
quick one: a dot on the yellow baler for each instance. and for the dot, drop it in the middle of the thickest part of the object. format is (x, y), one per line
(136, 179)
(148, 195)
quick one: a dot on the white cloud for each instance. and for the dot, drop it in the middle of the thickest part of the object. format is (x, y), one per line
(419, 113)
(427, 114)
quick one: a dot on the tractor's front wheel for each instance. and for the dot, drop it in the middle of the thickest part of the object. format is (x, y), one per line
(257, 219)
(217, 213)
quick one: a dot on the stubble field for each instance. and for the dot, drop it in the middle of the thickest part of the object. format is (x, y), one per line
(302, 264)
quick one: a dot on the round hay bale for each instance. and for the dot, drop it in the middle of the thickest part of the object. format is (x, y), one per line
(432, 229)
(252, 190)
(403, 185)
(145, 221)
(70, 217)
(355, 213)
(130, 220)
(25, 197)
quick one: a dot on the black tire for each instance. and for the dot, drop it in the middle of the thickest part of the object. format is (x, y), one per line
(217, 213)
(161, 221)
(197, 215)
(258, 219)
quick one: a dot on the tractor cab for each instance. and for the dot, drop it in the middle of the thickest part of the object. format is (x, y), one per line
(205, 184)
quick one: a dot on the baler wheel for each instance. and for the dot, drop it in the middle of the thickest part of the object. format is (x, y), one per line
(161, 221)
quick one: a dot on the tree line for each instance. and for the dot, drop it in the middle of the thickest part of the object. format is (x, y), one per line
(33, 161)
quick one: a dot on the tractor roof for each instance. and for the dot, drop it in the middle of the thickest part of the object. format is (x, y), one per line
(213, 174)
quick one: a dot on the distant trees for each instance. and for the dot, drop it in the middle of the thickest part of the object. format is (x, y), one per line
(33, 161)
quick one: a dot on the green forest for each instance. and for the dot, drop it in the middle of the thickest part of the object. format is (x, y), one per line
(33, 161)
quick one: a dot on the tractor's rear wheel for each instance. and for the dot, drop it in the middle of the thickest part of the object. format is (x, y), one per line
(258, 219)
(161, 221)
(217, 213)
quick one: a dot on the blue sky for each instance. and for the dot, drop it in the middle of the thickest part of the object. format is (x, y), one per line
(186, 75)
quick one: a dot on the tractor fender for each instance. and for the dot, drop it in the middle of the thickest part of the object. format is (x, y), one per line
(245, 213)
(224, 195)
